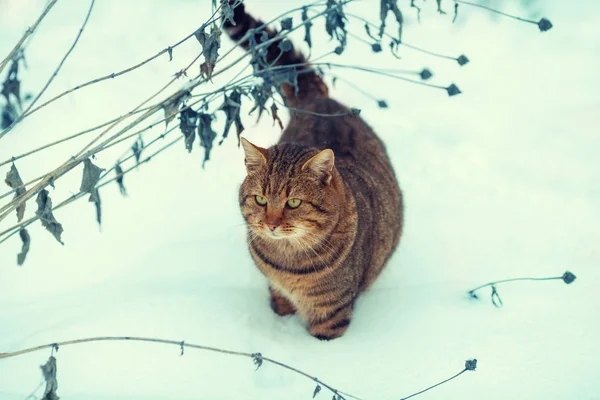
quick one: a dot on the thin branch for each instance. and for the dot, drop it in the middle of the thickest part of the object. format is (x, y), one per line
(410, 46)
(86, 151)
(85, 21)
(27, 33)
(437, 384)
(496, 11)
(180, 344)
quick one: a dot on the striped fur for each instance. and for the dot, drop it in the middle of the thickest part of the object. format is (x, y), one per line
(319, 256)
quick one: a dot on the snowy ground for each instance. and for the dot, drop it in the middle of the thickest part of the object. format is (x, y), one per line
(501, 181)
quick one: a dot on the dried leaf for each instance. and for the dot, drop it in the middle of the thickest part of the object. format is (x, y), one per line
(226, 11)
(137, 148)
(385, 7)
(462, 60)
(568, 277)
(275, 115)
(95, 198)
(26, 239)
(285, 45)
(231, 107)
(11, 84)
(119, 172)
(439, 7)
(544, 24)
(317, 390)
(44, 212)
(413, 5)
(425, 74)
(470, 365)
(206, 134)
(170, 51)
(13, 179)
(9, 115)
(171, 109)
(382, 104)
(368, 30)
(91, 175)
(188, 121)
(257, 359)
(210, 46)
(307, 25)
(376, 47)
(335, 23)
(455, 12)
(260, 96)
(496, 300)
(453, 90)
(49, 372)
(287, 24)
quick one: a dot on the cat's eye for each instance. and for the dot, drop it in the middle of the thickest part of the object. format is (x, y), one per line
(260, 200)
(294, 203)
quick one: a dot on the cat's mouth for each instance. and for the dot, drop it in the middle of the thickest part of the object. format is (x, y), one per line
(280, 234)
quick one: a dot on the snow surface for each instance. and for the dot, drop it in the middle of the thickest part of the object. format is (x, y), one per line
(501, 181)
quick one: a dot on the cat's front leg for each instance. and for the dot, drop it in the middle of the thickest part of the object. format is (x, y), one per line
(327, 323)
(280, 304)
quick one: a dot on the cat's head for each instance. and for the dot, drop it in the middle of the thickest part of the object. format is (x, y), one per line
(289, 192)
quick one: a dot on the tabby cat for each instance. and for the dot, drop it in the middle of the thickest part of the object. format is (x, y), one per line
(323, 206)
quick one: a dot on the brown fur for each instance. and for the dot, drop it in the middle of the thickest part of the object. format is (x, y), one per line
(319, 256)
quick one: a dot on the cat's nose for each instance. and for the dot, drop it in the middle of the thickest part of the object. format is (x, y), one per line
(272, 226)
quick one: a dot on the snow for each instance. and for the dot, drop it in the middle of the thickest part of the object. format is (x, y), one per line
(501, 181)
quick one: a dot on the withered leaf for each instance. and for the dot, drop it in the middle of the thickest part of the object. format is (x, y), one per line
(462, 60)
(376, 47)
(439, 7)
(171, 108)
(568, 277)
(307, 25)
(119, 172)
(368, 30)
(11, 84)
(231, 107)
(227, 12)
(49, 372)
(276, 116)
(170, 51)
(287, 24)
(260, 96)
(91, 175)
(470, 365)
(425, 74)
(210, 46)
(455, 12)
(382, 104)
(285, 45)
(188, 120)
(95, 198)
(453, 90)
(26, 239)
(385, 8)
(44, 212)
(137, 148)
(335, 23)
(206, 134)
(13, 179)
(544, 24)
(257, 359)
(317, 390)
(9, 115)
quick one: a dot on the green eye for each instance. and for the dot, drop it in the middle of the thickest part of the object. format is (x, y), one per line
(260, 200)
(294, 203)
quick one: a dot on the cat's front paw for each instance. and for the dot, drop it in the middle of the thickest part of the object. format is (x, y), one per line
(282, 306)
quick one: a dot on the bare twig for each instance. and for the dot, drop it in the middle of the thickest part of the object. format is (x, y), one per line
(470, 365)
(27, 33)
(180, 344)
(2, 134)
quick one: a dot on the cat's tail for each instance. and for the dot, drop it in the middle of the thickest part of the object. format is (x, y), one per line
(310, 84)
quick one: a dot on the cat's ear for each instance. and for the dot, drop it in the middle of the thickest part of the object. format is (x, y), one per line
(321, 164)
(255, 156)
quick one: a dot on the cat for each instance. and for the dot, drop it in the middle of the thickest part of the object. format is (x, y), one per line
(323, 207)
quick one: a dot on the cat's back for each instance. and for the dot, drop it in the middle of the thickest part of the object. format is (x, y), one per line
(362, 161)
